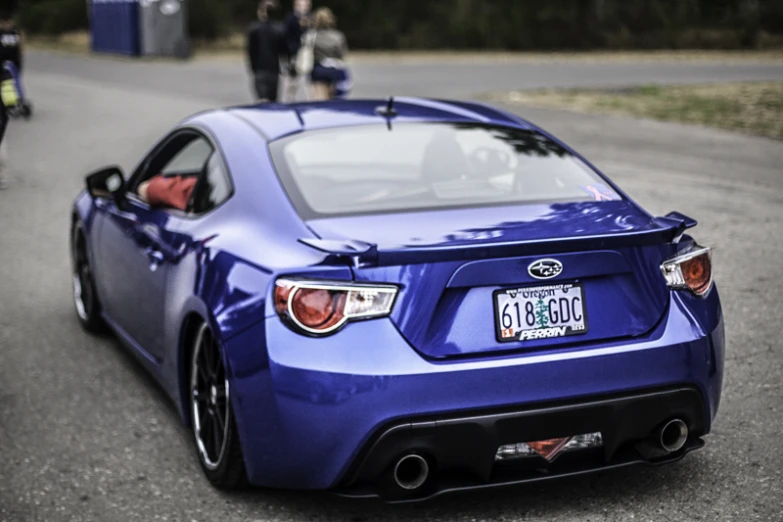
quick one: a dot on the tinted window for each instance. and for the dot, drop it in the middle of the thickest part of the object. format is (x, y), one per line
(184, 154)
(214, 188)
(190, 159)
(367, 169)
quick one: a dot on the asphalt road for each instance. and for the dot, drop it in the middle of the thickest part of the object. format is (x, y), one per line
(86, 435)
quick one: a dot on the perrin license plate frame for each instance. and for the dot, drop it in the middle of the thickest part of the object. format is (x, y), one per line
(541, 332)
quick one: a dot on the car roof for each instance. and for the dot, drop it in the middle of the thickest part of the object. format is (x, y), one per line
(275, 120)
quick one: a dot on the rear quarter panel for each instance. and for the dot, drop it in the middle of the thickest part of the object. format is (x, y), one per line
(232, 254)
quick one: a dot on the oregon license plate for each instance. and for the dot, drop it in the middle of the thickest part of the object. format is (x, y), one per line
(539, 312)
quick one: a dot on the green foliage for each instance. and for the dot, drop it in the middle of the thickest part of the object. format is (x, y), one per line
(556, 24)
(484, 24)
(209, 19)
(52, 17)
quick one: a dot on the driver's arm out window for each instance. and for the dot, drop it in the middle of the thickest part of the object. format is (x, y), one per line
(172, 175)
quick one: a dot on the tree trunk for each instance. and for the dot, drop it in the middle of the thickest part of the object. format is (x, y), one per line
(749, 11)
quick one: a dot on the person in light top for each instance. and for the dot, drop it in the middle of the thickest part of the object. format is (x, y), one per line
(330, 76)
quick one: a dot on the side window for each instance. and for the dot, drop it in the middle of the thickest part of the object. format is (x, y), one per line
(185, 154)
(189, 160)
(202, 181)
(214, 188)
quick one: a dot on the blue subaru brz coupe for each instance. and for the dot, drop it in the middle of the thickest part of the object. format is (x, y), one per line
(400, 298)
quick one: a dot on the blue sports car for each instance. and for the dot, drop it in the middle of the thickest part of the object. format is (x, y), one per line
(400, 298)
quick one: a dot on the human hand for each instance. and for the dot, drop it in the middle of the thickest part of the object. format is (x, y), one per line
(143, 191)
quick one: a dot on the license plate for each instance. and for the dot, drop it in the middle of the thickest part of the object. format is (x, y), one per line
(539, 312)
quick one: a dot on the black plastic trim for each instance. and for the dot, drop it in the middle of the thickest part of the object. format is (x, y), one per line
(462, 447)
(692, 445)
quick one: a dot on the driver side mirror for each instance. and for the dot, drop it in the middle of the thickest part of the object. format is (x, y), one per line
(107, 183)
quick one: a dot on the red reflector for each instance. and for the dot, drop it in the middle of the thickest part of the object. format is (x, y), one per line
(549, 448)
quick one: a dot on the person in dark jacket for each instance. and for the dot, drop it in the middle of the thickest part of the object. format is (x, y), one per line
(296, 23)
(10, 42)
(265, 44)
(10, 50)
(4, 117)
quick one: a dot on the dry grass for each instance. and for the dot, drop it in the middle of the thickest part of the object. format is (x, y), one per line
(71, 42)
(232, 46)
(752, 107)
(769, 56)
(75, 43)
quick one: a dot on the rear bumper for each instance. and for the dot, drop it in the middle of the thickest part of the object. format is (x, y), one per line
(461, 449)
(567, 466)
(310, 411)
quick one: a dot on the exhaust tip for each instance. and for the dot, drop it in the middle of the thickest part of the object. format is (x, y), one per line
(411, 472)
(673, 435)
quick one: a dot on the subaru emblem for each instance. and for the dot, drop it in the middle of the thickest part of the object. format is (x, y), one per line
(545, 268)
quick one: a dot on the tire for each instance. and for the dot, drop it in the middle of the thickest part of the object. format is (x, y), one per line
(212, 418)
(85, 298)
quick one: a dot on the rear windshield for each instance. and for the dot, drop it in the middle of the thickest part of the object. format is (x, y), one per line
(418, 166)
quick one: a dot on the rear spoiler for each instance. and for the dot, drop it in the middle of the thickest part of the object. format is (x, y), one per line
(679, 223)
(669, 229)
(357, 252)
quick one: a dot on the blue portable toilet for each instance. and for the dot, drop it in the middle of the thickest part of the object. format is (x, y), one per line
(114, 27)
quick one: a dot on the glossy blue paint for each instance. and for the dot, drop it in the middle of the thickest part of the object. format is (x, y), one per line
(143, 248)
(513, 271)
(440, 304)
(345, 388)
(305, 406)
(278, 120)
(489, 225)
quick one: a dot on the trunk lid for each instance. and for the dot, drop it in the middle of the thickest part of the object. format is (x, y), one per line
(452, 264)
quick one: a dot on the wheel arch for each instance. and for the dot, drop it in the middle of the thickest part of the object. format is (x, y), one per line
(82, 209)
(195, 315)
(230, 471)
(224, 291)
(189, 326)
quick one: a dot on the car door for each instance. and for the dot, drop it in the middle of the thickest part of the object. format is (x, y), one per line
(140, 243)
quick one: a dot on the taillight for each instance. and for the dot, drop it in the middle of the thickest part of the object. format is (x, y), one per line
(690, 270)
(321, 307)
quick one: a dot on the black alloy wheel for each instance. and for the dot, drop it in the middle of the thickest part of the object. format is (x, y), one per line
(212, 420)
(85, 299)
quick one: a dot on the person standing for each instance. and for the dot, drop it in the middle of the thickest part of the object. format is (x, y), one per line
(10, 50)
(330, 76)
(4, 117)
(265, 44)
(10, 42)
(296, 25)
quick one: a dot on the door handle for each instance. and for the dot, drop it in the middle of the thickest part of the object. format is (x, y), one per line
(155, 257)
(127, 216)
